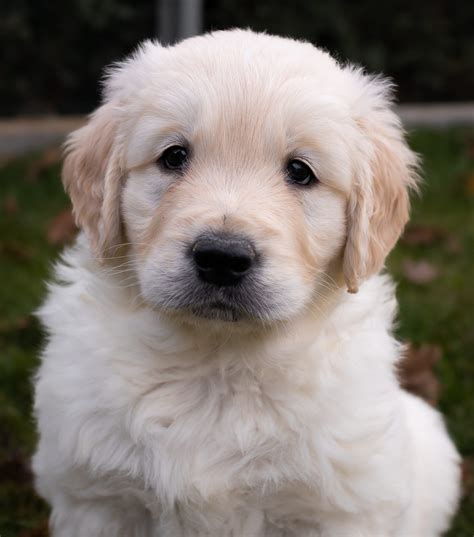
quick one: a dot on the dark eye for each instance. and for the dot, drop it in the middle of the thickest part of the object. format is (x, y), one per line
(300, 173)
(174, 158)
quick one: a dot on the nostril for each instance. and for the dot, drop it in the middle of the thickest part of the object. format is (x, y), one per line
(208, 259)
(241, 264)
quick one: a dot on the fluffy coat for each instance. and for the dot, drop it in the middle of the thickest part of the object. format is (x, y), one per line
(287, 422)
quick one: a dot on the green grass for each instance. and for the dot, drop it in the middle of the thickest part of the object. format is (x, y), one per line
(25, 261)
(438, 312)
(442, 311)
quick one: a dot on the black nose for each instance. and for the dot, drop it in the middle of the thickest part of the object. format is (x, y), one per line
(223, 261)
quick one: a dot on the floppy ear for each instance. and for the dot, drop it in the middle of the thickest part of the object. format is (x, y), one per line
(379, 204)
(92, 178)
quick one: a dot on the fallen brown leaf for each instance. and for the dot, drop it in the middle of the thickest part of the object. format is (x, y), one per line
(5, 160)
(466, 473)
(453, 244)
(416, 371)
(469, 145)
(41, 530)
(7, 325)
(420, 272)
(421, 234)
(15, 467)
(10, 205)
(62, 228)
(23, 322)
(470, 184)
(16, 250)
(48, 158)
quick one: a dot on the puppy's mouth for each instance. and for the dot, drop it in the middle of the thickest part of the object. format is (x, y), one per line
(221, 304)
(217, 311)
(184, 295)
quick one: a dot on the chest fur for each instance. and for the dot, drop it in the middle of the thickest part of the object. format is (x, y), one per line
(207, 436)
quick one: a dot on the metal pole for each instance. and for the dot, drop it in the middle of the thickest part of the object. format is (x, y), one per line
(178, 19)
(190, 18)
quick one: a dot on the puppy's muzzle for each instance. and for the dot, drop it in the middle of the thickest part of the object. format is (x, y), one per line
(223, 260)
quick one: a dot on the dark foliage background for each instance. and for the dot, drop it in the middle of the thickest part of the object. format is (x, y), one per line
(53, 51)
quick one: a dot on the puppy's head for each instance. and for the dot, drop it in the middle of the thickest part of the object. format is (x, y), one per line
(244, 172)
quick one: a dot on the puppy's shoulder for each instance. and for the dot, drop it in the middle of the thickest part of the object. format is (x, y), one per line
(81, 292)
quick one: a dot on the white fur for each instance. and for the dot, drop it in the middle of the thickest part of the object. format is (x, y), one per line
(151, 425)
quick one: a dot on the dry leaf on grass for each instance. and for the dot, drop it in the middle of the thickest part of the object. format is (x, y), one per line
(7, 325)
(469, 144)
(429, 235)
(416, 371)
(62, 228)
(10, 205)
(466, 473)
(40, 530)
(16, 250)
(15, 467)
(470, 184)
(420, 272)
(422, 234)
(48, 158)
(453, 244)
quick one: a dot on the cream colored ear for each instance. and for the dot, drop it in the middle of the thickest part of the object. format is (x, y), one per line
(379, 205)
(92, 178)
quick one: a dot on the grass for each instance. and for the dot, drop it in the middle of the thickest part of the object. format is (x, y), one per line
(439, 311)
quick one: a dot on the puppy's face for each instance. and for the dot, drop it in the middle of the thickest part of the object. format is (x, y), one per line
(231, 205)
(245, 173)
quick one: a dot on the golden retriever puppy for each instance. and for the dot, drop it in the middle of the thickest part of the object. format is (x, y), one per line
(206, 371)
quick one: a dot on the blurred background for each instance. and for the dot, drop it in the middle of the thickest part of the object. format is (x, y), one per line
(53, 55)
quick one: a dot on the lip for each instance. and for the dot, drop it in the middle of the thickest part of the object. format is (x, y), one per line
(218, 311)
